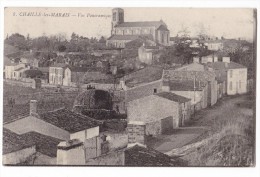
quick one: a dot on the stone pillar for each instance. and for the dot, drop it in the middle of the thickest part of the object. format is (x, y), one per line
(136, 132)
(33, 107)
(71, 153)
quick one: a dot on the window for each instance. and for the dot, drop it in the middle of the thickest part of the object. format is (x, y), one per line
(121, 17)
(162, 38)
(231, 73)
(154, 90)
(114, 16)
(167, 36)
(240, 84)
(230, 85)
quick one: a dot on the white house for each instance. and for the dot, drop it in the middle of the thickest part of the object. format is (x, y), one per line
(56, 74)
(234, 75)
(55, 124)
(14, 71)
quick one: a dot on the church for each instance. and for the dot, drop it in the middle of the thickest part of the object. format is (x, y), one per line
(124, 32)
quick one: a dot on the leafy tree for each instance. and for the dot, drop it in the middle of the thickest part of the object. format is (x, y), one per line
(62, 48)
(17, 40)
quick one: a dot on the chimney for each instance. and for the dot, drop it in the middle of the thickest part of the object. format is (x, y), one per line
(33, 107)
(166, 86)
(71, 153)
(226, 59)
(136, 133)
(215, 59)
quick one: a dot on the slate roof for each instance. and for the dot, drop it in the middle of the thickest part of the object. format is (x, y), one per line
(225, 66)
(44, 144)
(142, 156)
(68, 120)
(173, 97)
(157, 24)
(163, 27)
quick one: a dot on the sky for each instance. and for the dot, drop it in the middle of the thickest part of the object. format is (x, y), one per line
(229, 22)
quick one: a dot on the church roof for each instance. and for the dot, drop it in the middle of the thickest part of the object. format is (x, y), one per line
(157, 24)
(124, 37)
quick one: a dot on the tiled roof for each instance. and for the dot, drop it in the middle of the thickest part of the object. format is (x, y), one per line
(19, 69)
(142, 156)
(123, 37)
(173, 97)
(68, 120)
(225, 66)
(189, 75)
(141, 24)
(145, 75)
(184, 85)
(44, 144)
(162, 27)
(13, 142)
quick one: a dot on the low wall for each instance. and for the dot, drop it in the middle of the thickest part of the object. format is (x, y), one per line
(18, 156)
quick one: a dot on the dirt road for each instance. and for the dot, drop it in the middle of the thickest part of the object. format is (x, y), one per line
(199, 126)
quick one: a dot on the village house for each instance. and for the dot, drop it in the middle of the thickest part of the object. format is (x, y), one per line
(29, 59)
(147, 54)
(141, 83)
(135, 153)
(15, 71)
(160, 112)
(84, 77)
(56, 73)
(30, 148)
(214, 45)
(233, 75)
(207, 77)
(123, 32)
(55, 124)
(196, 91)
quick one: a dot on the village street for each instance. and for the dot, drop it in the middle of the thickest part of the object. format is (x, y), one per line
(199, 126)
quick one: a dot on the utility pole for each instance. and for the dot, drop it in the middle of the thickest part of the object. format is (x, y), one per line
(194, 89)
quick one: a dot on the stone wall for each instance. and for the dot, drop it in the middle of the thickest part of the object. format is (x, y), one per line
(136, 133)
(18, 156)
(116, 140)
(116, 158)
(153, 128)
(143, 90)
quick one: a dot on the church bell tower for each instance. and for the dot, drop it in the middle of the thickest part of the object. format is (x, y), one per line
(117, 18)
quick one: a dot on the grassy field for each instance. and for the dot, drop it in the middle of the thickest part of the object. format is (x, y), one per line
(230, 140)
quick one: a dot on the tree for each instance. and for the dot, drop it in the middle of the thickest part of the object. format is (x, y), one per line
(184, 32)
(102, 39)
(62, 48)
(17, 40)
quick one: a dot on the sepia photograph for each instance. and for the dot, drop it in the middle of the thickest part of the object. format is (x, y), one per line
(129, 87)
